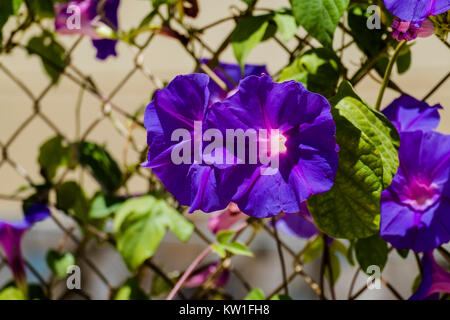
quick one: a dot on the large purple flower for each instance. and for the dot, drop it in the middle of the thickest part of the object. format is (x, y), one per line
(231, 74)
(92, 14)
(300, 136)
(415, 207)
(181, 105)
(11, 236)
(435, 279)
(410, 114)
(416, 10)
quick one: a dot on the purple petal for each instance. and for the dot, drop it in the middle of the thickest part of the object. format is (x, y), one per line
(105, 48)
(298, 224)
(416, 10)
(225, 219)
(87, 10)
(409, 114)
(434, 279)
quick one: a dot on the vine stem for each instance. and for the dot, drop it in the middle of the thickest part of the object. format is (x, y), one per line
(188, 272)
(387, 75)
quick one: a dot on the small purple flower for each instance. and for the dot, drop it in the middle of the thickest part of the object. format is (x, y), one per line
(11, 236)
(305, 145)
(416, 10)
(226, 219)
(402, 30)
(435, 280)
(415, 207)
(231, 75)
(180, 105)
(201, 275)
(298, 224)
(92, 14)
(409, 114)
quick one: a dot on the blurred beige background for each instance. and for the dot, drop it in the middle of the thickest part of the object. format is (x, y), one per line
(165, 58)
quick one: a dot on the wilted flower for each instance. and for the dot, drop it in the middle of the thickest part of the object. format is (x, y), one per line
(226, 219)
(415, 207)
(11, 236)
(434, 280)
(201, 275)
(409, 114)
(303, 144)
(403, 30)
(86, 17)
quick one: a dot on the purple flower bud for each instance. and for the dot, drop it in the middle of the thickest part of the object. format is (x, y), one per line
(402, 30)
(225, 219)
(201, 275)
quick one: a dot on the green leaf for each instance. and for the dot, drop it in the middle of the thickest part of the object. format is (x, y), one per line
(157, 3)
(350, 250)
(42, 8)
(404, 61)
(101, 166)
(51, 53)
(313, 251)
(160, 286)
(255, 294)
(11, 293)
(319, 17)
(71, 198)
(281, 297)
(219, 249)
(130, 290)
(287, 27)
(317, 69)
(16, 5)
(224, 236)
(238, 248)
(59, 262)
(373, 125)
(102, 206)
(248, 33)
(52, 155)
(403, 253)
(140, 225)
(369, 41)
(351, 209)
(335, 267)
(371, 251)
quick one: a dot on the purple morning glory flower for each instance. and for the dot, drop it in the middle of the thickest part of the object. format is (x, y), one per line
(416, 10)
(201, 275)
(11, 236)
(298, 224)
(415, 207)
(92, 14)
(231, 74)
(180, 105)
(409, 114)
(303, 144)
(403, 30)
(435, 280)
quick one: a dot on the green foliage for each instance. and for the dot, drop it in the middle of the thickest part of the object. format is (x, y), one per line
(141, 223)
(51, 53)
(368, 160)
(42, 8)
(11, 293)
(59, 262)
(130, 290)
(7, 9)
(255, 294)
(319, 17)
(313, 250)
(103, 206)
(71, 198)
(317, 69)
(102, 166)
(53, 154)
(281, 297)
(223, 245)
(248, 33)
(403, 253)
(371, 251)
(286, 25)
